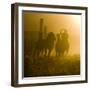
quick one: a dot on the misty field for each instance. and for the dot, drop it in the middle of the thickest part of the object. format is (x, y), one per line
(51, 66)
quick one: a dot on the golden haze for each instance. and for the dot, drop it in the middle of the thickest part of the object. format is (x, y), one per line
(54, 23)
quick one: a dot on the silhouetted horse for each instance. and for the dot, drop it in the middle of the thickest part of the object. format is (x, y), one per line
(49, 44)
(45, 46)
(62, 44)
(58, 45)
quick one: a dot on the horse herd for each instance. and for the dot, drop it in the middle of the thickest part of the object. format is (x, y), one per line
(43, 47)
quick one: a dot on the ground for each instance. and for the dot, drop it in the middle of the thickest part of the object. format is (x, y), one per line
(51, 66)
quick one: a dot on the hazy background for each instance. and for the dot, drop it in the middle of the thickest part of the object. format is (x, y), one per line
(54, 23)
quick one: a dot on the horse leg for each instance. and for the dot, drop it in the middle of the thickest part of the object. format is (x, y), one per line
(42, 52)
(45, 54)
(49, 52)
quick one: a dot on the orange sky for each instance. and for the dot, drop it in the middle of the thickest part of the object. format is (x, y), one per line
(54, 23)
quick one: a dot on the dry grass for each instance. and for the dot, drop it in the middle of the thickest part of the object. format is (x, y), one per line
(52, 66)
